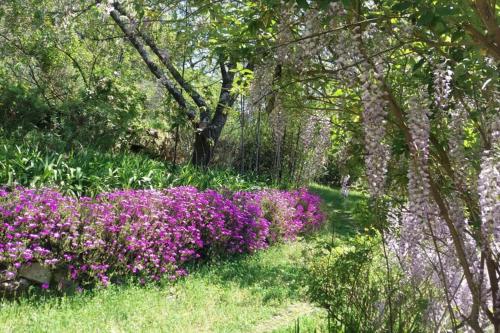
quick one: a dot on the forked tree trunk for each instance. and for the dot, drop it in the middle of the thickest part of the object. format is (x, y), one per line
(207, 131)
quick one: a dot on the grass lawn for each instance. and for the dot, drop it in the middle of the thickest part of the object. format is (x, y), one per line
(259, 293)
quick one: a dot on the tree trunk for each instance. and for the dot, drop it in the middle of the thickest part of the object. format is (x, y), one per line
(202, 152)
(257, 153)
(242, 135)
(207, 133)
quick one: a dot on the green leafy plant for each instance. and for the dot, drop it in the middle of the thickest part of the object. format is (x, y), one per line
(88, 172)
(349, 280)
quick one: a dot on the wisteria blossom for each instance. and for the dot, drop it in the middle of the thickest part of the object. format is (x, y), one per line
(442, 84)
(377, 151)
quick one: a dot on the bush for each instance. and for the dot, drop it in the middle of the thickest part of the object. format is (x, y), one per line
(350, 280)
(22, 108)
(98, 116)
(144, 233)
(286, 221)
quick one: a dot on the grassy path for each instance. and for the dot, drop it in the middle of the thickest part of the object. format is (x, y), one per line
(259, 293)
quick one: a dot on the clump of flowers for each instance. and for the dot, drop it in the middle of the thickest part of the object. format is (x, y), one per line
(442, 84)
(149, 234)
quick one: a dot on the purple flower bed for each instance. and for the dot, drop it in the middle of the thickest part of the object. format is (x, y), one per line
(144, 233)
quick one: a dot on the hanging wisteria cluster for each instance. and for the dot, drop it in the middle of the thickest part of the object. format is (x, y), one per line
(284, 38)
(277, 120)
(428, 246)
(149, 234)
(489, 200)
(315, 137)
(261, 86)
(374, 123)
(352, 66)
(442, 84)
(421, 240)
(458, 119)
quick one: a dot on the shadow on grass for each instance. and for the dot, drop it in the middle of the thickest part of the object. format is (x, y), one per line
(276, 277)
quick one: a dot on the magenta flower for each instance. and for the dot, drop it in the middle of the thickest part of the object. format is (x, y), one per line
(145, 233)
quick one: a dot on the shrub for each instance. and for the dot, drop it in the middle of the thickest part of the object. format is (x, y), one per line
(351, 281)
(144, 233)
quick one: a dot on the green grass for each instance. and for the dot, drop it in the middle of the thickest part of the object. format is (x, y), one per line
(259, 293)
(343, 212)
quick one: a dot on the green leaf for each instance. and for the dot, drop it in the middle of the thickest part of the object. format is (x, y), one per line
(38, 17)
(402, 6)
(323, 4)
(346, 3)
(457, 54)
(426, 18)
(440, 26)
(445, 11)
(457, 35)
(302, 4)
(253, 26)
(418, 64)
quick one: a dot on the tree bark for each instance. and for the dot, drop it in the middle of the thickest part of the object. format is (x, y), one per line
(207, 131)
(164, 57)
(139, 46)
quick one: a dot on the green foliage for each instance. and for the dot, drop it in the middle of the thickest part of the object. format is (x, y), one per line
(21, 107)
(88, 172)
(97, 118)
(350, 280)
(100, 117)
(77, 173)
(217, 179)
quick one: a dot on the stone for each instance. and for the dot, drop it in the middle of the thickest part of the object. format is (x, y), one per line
(36, 273)
(13, 288)
(61, 280)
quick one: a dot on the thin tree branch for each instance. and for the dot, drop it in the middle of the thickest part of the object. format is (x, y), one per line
(139, 46)
(165, 60)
